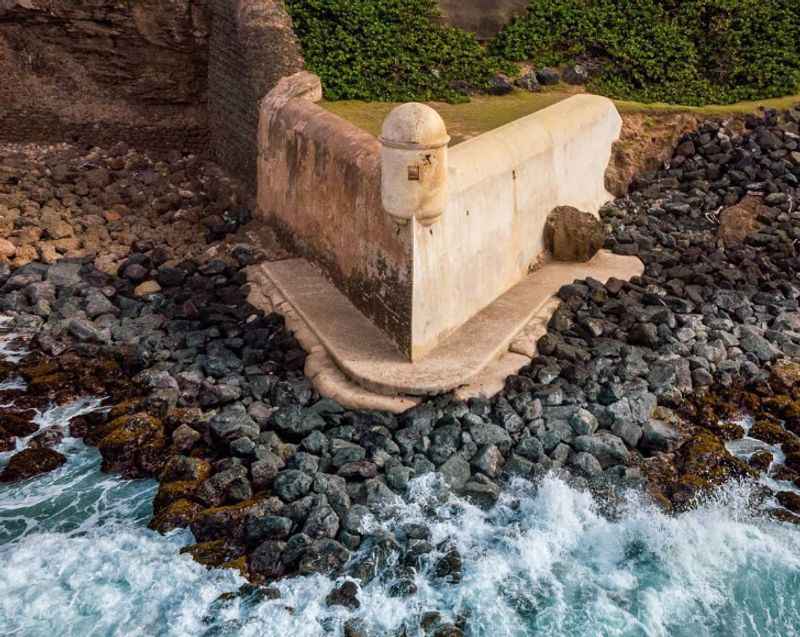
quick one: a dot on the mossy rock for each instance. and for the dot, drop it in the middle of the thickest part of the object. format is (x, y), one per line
(214, 553)
(239, 564)
(783, 406)
(169, 492)
(125, 408)
(178, 515)
(13, 424)
(704, 463)
(57, 381)
(782, 515)
(793, 461)
(224, 521)
(129, 429)
(771, 431)
(39, 369)
(31, 462)
(785, 375)
(134, 447)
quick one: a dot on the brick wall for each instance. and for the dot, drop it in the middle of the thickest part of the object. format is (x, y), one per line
(252, 47)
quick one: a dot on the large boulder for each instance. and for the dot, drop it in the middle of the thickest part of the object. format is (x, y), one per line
(572, 235)
(31, 462)
(738, 222)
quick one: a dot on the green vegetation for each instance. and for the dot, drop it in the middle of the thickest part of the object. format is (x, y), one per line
(691, 52)
(679, 51)
(389, 50)
(484, 113)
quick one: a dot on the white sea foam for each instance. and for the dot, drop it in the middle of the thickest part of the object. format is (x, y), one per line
(543, 562)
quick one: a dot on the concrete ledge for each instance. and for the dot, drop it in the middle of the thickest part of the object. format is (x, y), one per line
(367, 357)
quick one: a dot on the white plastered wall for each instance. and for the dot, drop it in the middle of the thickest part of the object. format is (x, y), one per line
(503, 185)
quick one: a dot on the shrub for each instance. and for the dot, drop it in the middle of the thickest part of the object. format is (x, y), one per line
(391, 50)
(689, 51)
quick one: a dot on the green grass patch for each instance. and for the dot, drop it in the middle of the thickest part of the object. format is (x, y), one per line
(485, 113)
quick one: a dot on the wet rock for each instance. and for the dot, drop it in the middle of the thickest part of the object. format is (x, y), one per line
(31, 462)
(266, 560)
(346, 594)
(761, 460)
(449, 567)
(606, 447)
(324, 556)
(18, 425)
(789, 500)
(456, 472)
(482, 492)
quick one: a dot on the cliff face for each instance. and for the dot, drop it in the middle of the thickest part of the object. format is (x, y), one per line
(160, 73)
(91, 69)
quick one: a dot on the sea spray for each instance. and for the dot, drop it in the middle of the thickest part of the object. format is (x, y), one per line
(544, 561)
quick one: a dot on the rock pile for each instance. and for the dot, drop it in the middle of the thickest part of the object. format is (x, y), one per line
(274, 480)
(68, 202)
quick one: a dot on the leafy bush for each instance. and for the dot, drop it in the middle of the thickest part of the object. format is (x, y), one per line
(391, 50)
(680, 51)
(688, 51)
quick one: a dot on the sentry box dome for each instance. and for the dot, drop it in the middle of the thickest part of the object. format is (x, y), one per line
(414, 164)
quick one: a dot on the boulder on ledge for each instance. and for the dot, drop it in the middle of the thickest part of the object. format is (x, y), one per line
(573, 235)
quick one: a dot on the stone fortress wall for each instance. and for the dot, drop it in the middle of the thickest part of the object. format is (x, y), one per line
(419, 280)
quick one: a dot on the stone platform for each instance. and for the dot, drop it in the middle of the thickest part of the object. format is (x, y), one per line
(353, 361)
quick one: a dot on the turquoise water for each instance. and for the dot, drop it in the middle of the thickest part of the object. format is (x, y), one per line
(77, 559)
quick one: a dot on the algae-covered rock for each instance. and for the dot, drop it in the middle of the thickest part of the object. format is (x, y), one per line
(177, 515)
(31, 462)
(214, 553)
(133, 445)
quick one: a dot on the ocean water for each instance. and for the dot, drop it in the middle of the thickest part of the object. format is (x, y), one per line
(77, 559)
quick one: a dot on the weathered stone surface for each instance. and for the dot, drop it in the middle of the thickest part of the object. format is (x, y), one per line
(572, 235)
(31, 462)
(737, 223)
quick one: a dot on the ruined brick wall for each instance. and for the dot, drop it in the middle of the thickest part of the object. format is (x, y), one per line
(252, 47)
(95, 71)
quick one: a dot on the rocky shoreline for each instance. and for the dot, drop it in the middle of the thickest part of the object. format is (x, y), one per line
(129, 274)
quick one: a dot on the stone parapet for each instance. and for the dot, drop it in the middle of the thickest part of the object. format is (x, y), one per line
(419, 237)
